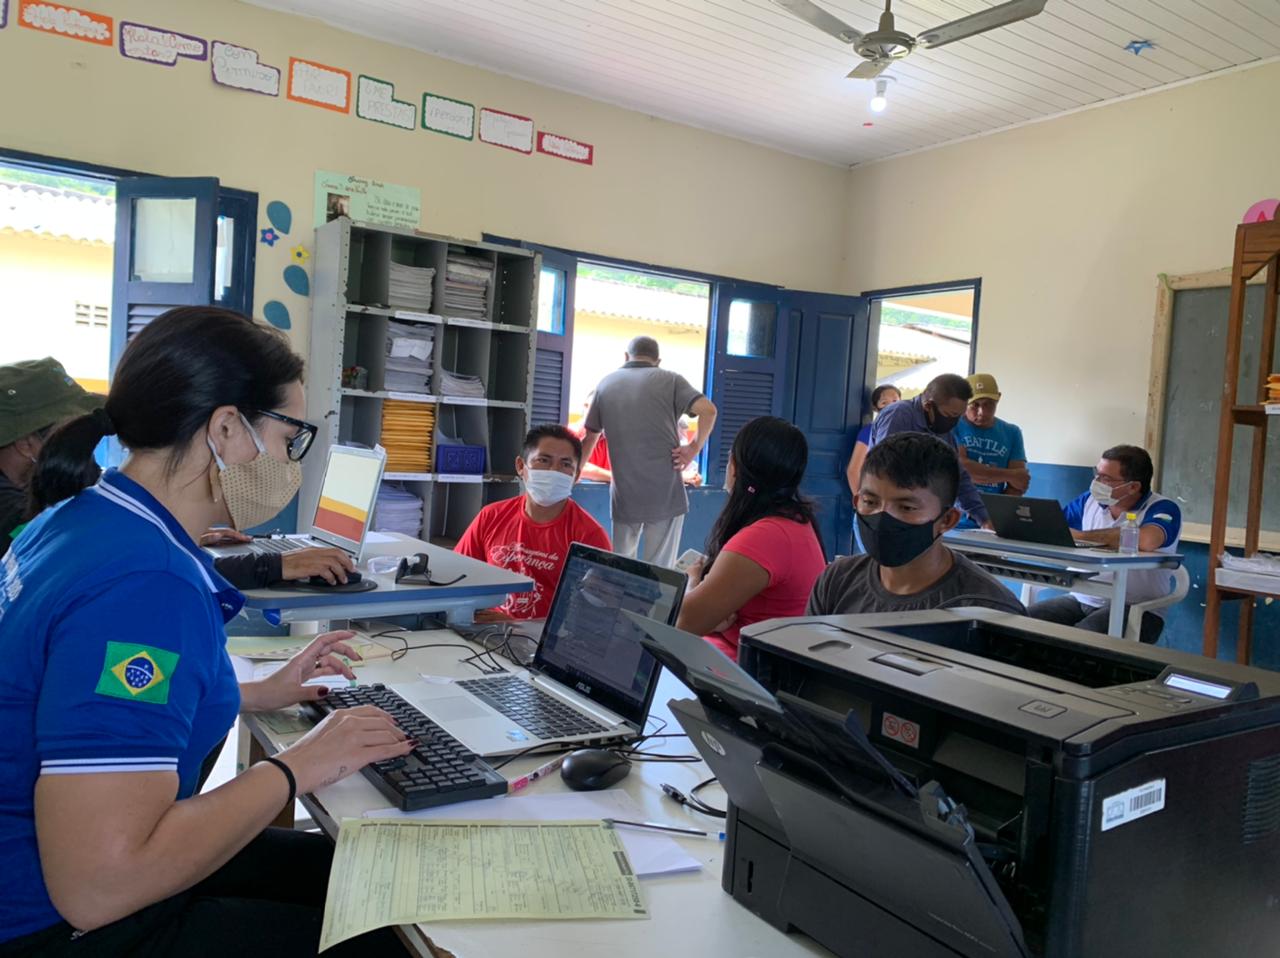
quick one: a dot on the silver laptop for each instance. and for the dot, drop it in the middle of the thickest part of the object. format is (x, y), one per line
(344, 510)
(591, 680)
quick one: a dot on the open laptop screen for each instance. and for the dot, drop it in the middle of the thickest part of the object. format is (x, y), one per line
(589, 645)
(346, 498)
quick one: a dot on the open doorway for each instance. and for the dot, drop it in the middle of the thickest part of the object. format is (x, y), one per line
(57, 242)
(923, 332)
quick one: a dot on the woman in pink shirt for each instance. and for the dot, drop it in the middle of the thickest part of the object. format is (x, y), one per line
(764, 552)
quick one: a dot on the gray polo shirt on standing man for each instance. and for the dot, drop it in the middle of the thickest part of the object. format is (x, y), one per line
(639, 407)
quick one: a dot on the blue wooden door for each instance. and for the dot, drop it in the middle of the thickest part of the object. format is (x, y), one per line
(166, 238)
(746, 364)
(553, 349)
(827, 369)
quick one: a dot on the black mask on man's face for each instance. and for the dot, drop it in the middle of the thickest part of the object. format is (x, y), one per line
(892, 542)
(939, 424)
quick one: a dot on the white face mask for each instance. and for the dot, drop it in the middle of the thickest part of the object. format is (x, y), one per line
(1102, 493)
(547, 487)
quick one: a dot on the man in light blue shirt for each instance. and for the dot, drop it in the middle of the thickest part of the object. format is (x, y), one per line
(990, 448)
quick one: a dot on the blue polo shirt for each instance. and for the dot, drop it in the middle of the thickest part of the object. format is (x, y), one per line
(997, 445)
(908, 415)
(111, 631)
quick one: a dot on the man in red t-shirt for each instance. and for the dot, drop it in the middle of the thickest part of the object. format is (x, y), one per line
(597, 468)
(531, 534)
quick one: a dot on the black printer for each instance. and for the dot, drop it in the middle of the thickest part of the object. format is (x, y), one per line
(966, 782)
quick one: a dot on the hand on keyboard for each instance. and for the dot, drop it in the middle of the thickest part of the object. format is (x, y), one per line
(343, 743)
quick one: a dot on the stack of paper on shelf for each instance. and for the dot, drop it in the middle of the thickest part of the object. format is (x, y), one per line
(1272, 401)
(397, 510)
(406, 434)
(410, 286)
(409, 347)
(453, 384)
(467, 281)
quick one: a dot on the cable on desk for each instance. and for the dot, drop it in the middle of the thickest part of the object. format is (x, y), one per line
(692, 801)
(398, 654)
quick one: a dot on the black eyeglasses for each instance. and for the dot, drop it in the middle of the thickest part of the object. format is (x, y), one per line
(300, 441)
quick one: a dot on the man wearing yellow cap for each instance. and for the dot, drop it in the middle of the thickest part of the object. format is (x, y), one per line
(990, 448)
(35, 396)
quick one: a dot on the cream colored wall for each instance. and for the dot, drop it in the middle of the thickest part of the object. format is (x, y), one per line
(658, 192)
(1068, 223)
(41, 280)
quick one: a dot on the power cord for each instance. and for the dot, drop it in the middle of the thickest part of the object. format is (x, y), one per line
(692, 801)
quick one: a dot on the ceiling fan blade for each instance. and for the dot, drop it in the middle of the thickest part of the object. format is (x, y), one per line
(980, 22)
(869, 69)
(814, 15)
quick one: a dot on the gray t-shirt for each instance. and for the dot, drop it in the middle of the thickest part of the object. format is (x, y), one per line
(638, 407)
(852, 586)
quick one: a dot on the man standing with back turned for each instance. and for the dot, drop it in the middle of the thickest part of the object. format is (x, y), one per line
(639, 406)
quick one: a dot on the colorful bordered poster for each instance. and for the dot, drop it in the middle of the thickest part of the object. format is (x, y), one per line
(4, 13)
(319, 85)
(442, 114)
(64, 21)
(239, 68)
(507, 130)
(154, 45)
(555, 145)
(376, 100)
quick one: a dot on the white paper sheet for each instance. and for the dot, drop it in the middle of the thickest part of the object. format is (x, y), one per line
(651, 854)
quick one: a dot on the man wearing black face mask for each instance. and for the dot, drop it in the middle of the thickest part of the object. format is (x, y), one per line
(936, 411)
(904, 505)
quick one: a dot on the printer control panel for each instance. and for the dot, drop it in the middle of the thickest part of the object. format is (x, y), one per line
(1174, 691)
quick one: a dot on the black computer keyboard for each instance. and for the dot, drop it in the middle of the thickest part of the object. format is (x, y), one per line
(531, 708)
(440, 771)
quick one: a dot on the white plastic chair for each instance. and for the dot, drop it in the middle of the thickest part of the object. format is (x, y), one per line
(1181, 586)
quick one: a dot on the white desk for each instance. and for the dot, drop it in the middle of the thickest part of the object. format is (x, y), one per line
(483, 587)
(977, 543)
(690, 914)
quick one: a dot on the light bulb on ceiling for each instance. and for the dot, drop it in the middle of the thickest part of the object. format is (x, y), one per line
(879, 102)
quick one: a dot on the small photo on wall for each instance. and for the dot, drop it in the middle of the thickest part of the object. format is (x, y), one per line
(337, 204)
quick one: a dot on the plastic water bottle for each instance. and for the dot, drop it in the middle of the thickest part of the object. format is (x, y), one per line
(1129, 534)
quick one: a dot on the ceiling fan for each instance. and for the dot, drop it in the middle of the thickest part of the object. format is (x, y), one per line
(882, 47)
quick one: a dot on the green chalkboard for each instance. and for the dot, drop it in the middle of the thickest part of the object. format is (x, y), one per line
(1193, 391)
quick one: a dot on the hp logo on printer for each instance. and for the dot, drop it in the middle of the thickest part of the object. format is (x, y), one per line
(712, 744)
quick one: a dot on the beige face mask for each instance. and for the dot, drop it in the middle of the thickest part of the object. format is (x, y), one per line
(256, 490)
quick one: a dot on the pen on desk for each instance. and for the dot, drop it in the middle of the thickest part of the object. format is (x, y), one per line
(659, 827)
(540, 772)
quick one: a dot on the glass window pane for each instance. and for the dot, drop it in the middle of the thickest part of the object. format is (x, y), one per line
(164, 240)
(224, 254)
(551, 301)
(751, 329)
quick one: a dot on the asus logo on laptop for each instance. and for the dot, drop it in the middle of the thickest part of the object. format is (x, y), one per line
(583, 687)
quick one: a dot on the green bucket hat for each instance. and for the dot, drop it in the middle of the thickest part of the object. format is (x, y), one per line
(39, 393)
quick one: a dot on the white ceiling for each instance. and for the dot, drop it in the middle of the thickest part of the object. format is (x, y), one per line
(749, 69)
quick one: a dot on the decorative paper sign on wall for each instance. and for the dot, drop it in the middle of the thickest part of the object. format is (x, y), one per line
(506, 130)
(319, 85)
(239, 68)
(66, 21)
(443, 115)
(375, 100)
(368, 201)
(141, 42)
(4, 13)
(566, 148)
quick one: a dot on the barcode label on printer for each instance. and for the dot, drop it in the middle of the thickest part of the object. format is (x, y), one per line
(1125, 807)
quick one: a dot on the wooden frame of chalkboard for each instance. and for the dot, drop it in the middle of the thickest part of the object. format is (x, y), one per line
(1167, 286)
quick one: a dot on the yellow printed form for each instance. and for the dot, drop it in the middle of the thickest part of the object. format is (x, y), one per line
(393, 871)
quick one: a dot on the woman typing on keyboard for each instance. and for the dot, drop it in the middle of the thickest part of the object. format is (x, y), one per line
(117, 683)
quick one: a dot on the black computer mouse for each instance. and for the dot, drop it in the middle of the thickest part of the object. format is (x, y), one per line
(322, 582)
(589, 769)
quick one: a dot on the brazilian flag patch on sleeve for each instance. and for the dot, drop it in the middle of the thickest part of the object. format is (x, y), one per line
(139, 673)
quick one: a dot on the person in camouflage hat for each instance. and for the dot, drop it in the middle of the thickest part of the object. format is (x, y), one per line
(35, 395)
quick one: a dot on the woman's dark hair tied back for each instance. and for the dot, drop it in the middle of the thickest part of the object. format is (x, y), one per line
(769, 457)
(180, 368)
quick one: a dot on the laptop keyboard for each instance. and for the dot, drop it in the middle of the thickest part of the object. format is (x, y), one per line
(531, 708)
(440, 771)
(278, 545)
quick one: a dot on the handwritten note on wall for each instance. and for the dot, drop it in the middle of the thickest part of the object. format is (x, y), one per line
(443, 115)
(239, 68)
(507, 130)
(66, 21)
(375, 100)
(141, 42)
(319, 85)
